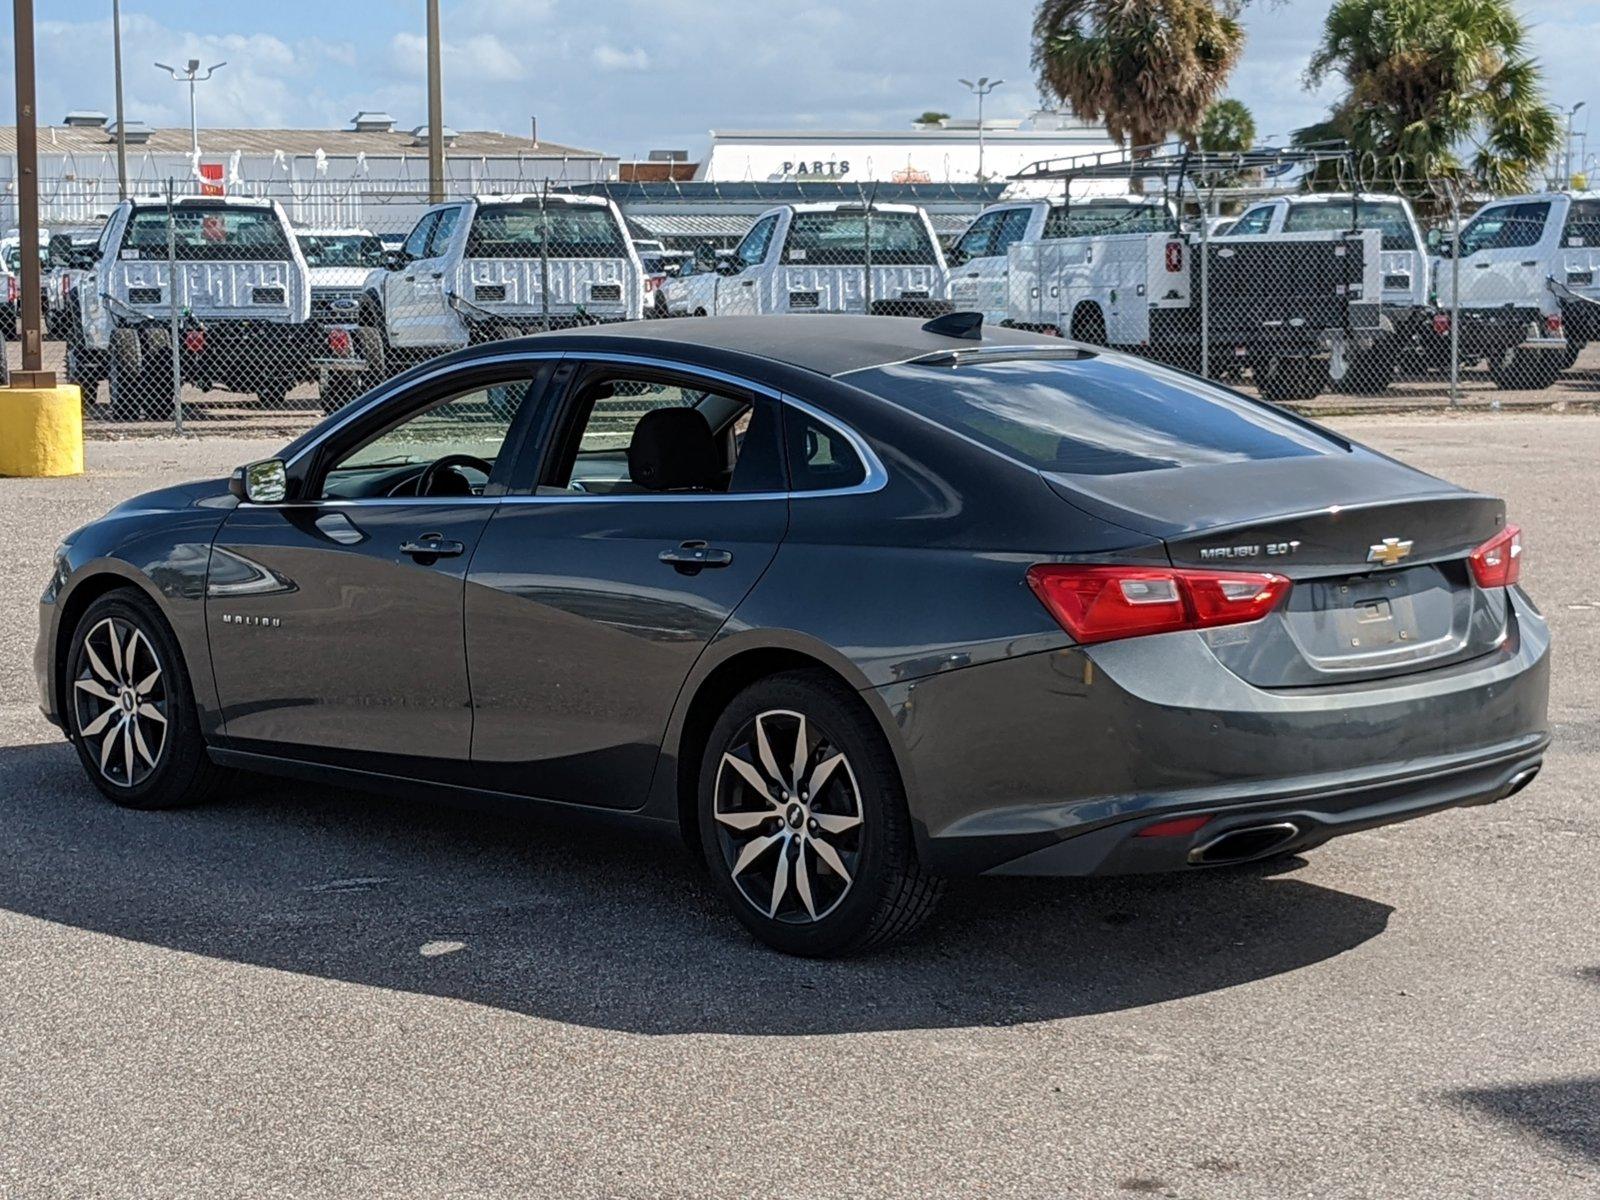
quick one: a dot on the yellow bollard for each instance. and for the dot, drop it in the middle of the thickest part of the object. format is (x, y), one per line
(41, 430)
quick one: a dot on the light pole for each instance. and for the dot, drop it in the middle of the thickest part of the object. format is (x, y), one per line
(1566, 170)
(435, 109)
(116, 64)
(982, 88)
(191, 75)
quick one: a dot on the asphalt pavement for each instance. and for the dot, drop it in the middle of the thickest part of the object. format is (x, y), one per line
(302, 992)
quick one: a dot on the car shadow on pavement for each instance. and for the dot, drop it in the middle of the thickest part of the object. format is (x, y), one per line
(600, 928)
(1565, 1111)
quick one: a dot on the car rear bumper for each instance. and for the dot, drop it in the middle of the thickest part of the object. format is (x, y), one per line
(1053, 763)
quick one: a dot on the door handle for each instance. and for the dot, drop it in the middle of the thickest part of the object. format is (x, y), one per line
(431, 546)
(692, 557)
(747, 283)
(1532, 262)
(1481, 266)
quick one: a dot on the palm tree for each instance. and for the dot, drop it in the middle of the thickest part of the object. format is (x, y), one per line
(1147, 68)
(1227, 125)
(1430, 79)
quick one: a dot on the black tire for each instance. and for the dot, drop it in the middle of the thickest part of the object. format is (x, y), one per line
(884, 893)
(374, 351)
(1370, 374)
(1089, 325)
(155, 384)
(125, 373)
(341, 388)
(1283, 380)
(129, 772)
(1527, 370)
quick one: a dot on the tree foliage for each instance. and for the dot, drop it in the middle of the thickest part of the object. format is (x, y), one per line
(1437, 89)
(930, 117)
(1146, 68)
(1227, 125)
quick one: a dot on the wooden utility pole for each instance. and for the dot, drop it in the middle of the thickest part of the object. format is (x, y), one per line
(33, 374)
(435, 109)
(116, 64)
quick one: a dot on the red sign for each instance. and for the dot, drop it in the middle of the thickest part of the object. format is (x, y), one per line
(211, 179)
(1174, 256)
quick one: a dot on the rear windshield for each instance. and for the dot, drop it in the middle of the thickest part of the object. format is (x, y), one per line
(1089, 218)
(234, 234)
(1331, 216)
(341, 250)
(559, 230)
(825, 238)
(1583, 224)
(1092, 416)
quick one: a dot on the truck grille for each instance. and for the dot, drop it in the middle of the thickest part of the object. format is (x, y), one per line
(335, 304)
(266, 295)
(144, 295)
(605, 291)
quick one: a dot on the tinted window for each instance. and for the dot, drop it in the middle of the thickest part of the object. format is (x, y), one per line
(417, 244)
(820, 457)
(1011, 229)
(1092, 416)
(206, 233)
(754, 246)
(1329, 216)
(439, 239)
(1583, 224)
(1505, 227)
(976, 240)
(1257, 220)
(341, 250)
(561, 230)
(1091, 218)
(841, 237)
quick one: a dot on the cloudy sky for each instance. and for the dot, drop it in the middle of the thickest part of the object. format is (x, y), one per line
(629, 75)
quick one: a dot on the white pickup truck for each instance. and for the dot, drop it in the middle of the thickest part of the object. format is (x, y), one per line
(1528, 267)
(818, 258)
(1296, 309)
(493, 267)
(979, 266)
(1406, 313)
(242, 292)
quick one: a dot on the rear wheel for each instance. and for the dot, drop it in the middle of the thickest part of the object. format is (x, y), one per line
(338, 389)
(126, 373)
(1371, 373)
(1282, 380)
(374, 351)
(1527, 370)
(803, 820)
(129, 710)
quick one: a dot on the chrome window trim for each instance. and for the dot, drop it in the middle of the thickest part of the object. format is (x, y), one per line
(875, 480)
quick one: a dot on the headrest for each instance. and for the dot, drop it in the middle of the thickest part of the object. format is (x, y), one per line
(673, 450)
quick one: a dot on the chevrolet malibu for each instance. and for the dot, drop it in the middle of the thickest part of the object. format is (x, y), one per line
(853, 604)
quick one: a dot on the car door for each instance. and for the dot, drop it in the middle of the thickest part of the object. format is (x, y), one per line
(593, 594)
(1501, 261)
(335, 617)
(740, 294)
(402, 306)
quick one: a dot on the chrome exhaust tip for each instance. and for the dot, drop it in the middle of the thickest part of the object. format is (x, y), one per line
(1519, 781)
(1243, 844)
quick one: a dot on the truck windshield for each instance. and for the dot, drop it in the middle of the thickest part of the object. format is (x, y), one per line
(826, 238)
(200, 233)
(1386, 217)
(1090, 218)
(341, 250)
(559, 230)
(1091, 416)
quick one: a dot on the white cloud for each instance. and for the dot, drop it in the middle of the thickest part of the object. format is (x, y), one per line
(608, 58)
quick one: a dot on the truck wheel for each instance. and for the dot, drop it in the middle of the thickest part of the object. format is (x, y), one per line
(340, 388)
(155, 376)
(1371, 373)
(1570, 358)
(1089, 325)
(374, 351)
(125, 373)
(1527, 370)
(1284, 380)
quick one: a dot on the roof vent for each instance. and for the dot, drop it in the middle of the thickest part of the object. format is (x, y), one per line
(368, 121)
(135, 133)
(669, 156)
(420, 134)
(85, 118)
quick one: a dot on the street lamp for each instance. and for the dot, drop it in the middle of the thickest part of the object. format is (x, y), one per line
(191, 75)
(982, 88)
(1566, 172)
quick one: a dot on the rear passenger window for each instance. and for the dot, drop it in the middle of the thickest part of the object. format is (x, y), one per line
(820, 457)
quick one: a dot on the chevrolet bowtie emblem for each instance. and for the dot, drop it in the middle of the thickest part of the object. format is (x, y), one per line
(1388, 552)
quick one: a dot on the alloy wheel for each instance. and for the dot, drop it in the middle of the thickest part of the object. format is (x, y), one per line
(120, 701)
(789, 817)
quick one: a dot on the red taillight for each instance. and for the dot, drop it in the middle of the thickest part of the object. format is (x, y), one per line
(1102, 603)
(339, 342)
(1174, 257)
(1552, 325)
(13, 289)
(194, 341)
(1176, 827)
(652, 282)
(1498, 562)
(1441, 324)
(66, 286)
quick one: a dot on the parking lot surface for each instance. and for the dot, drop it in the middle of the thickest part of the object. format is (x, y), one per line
(300, 991)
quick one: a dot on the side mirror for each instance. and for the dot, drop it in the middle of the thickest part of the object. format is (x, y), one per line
(727, 264)
(264, 482)
(393, 260)
(1443, 244)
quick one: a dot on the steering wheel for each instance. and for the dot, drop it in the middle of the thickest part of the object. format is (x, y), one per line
(438, 466)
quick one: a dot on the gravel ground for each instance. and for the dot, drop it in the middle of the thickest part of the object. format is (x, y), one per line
(306, 992)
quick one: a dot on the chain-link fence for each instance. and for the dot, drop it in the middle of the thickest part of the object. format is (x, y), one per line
(265, 312)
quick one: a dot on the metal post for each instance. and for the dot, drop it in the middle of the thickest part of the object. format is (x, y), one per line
(544, 259)
(435, 110)
(1455, 298)
(116, 66)
(174, 316)
(33, 373)
(194, 123)
(866, 255)
(1205, 293)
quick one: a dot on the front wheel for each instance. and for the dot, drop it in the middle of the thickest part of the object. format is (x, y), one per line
(803, 820)
(129, 710)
